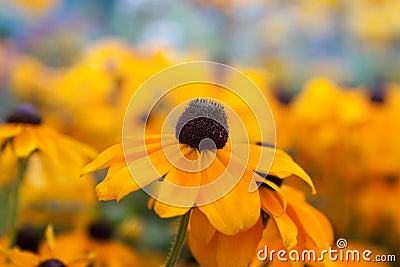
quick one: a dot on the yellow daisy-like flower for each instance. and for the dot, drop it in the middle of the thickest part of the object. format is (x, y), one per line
(98, 240)
(47, 257)
(45, 167)
(235, 212)
(23, 133)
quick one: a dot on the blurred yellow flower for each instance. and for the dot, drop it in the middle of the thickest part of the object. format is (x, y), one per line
(98, 240)
(51, 188)
(25, 133)
(47, 256)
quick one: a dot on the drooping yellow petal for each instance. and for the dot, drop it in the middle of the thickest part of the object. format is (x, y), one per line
(200, 226)
(287, 229)
(204, 252)
(237, 211)
(84, 149)
(168, 211)
(72, 151)
(25, 143)
(117, 186)
(103, 159)
(9, 130)
(46, 141)
(239, 250)
(313, 223)
(278, 191)
(272, 202)
(282, 166)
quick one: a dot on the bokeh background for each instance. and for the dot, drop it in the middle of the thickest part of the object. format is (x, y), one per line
(330, 69)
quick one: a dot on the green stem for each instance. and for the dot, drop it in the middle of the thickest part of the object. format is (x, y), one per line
(179, 240)
(22, 165)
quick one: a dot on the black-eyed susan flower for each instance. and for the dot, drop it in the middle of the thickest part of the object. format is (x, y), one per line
(238, 210)
(98, 239)
(24, 132)
(28, 148)
(27, 238)
(46, 256)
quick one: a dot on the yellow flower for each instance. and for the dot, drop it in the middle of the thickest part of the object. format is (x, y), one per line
(47, 255)
(375, 205)
(23, 134)
(98, 240)
(114, 71)
(237, 211)
(51, 187)
(27, 238)
(29, 79)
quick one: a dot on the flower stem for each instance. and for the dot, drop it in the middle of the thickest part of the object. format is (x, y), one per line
(179, 240)
(22, 165)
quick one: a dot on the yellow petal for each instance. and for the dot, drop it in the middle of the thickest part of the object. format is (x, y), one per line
(25, 143)
(240, 249)
(117, 186)
(167, 211)
(237, 211)
(278, 191)
(313, 223)
(204, 253)
(179, 188)
(83, 149)
(271, 202)
(45, 142)
(282, 166)
(134, 150)
(287, 229)
(22, 258)
(103, 159)
(72, 151)
(151, 167)
(200, 227)
(50, 238)
(10, 130)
